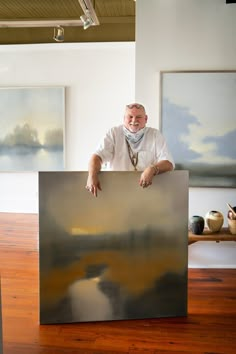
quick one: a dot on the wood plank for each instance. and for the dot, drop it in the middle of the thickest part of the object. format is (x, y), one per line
(210, 326)
(207, 235)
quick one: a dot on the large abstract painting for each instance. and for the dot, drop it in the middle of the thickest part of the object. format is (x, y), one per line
(31, 129)
(198, 121)
(122, 255)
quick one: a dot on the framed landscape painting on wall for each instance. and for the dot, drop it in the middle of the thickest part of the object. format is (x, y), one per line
(198, 120)
(32, 128)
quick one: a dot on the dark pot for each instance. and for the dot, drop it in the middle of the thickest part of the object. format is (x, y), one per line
(196, 224)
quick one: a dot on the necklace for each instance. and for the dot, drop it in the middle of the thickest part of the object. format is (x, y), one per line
(132, 155)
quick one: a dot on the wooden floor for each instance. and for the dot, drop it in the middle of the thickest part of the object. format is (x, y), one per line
(210, 326)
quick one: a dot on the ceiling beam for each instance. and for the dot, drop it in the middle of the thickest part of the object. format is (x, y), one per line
(39, 23)
(86, 6)
(117, 19)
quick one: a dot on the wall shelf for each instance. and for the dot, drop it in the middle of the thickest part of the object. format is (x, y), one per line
(207, 235)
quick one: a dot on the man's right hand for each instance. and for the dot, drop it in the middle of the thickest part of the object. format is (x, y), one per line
(93, 184)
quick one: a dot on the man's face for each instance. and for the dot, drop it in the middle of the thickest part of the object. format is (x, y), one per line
(135, 118)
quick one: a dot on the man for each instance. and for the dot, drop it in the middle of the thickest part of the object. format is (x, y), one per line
(131, 146)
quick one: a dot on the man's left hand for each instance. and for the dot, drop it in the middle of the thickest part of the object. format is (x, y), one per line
(146, 177)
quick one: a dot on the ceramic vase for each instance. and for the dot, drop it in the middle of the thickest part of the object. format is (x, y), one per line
(196, 224)
(214, 220)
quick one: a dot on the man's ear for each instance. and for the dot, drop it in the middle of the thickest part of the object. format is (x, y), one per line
(146, 118)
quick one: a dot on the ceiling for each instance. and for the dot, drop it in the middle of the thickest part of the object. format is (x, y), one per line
(116, 18)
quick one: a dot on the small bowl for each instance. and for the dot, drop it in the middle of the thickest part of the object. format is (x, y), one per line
(232, 226)
(230, 214)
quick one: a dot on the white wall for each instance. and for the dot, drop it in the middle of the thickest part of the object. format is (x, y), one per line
(187, 35)
(99, 81)
(99, 77)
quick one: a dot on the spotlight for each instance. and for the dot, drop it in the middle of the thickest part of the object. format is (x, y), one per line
(58, 34)
(87, 21)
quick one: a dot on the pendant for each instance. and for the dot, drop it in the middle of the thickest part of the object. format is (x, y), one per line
(135, 162)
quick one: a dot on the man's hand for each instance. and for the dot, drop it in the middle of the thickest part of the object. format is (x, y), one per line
(147, 176)
(93, 184)
(153, 170)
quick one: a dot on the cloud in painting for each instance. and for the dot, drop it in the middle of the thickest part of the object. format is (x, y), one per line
(42, 107)
(175, 123)
(22, 135)
(225, 145)
(54, 138)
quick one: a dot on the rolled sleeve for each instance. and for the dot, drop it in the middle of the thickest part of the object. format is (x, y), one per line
(105, 148)
(162, 151)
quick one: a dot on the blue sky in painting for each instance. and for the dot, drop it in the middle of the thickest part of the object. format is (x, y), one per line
(175, 129)
(198, 116)
(224, 146)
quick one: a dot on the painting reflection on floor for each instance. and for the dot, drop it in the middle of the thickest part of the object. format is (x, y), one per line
(122, 255)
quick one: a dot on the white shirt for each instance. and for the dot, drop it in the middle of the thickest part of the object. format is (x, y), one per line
(113, 149)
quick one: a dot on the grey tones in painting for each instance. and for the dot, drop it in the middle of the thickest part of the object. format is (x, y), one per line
(32, 129)
(122, 255)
